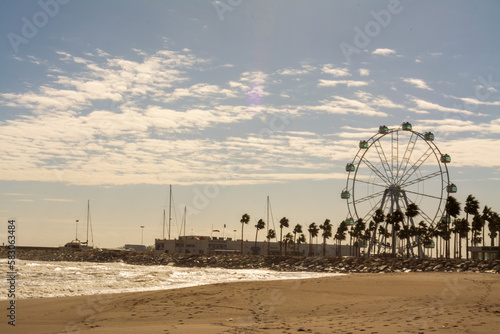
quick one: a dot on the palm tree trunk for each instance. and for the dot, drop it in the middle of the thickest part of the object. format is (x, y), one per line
(467, 247)
(281, 240)
(484, 228)
(459, 246)
(242, 225)
(418, 247)
(255, 246)
(454, 245)
(310, 245)
(393, 242)
(437, 246)
(324, 246)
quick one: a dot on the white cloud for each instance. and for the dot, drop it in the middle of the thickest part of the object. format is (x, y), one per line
(383, 52)
(342, 105)
(418, 111)
(199, 91)
(305, 69)
(419, 83)
(348, 83)
(448, 126)
(113, 79)
(364, 72)
(425, 105)
(336, 72)
(471, 100)
(474, 152)
(377, 101)
(57, 200)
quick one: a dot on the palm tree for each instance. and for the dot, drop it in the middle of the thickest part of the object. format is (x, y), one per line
(427, 235)
(440, 233)
(327, 233)
(260, 226)
(313, 233)
(411, 212)
(271, 234)
(404, 234)
(244, 220)
(300, 240)
(394, 219)
(378, 218)
(420, 232)
(283, 223)
(471, 208)
(477, 225)
(359, 228)
(494, 227)
(452, 210)
(455, 229)
(462, 228)
(340, 235)
(288, 240)
(486, 219)
(364, 238)
(296, 229)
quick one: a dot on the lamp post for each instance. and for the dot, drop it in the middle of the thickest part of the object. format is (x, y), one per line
(142, 235)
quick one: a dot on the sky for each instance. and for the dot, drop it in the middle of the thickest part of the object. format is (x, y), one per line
(229, 102)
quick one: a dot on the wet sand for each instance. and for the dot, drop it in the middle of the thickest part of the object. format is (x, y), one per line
(356, 303)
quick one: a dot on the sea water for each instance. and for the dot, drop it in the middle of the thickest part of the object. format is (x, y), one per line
(41, 279)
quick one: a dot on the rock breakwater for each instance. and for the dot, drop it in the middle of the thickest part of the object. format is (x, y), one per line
(279, 263)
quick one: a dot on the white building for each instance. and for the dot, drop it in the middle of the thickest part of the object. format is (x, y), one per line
(196, 244)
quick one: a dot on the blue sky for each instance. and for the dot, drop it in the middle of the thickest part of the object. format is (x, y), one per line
(230, 102)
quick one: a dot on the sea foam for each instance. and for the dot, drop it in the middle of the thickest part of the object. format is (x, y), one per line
(39, 279)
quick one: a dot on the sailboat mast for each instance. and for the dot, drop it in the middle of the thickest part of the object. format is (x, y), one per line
(163, 224)
(170, 212)
(185, 219)
(88, 221)
(184, 238)
(267, 222)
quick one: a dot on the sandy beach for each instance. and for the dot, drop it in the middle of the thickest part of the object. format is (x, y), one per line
(357, 303)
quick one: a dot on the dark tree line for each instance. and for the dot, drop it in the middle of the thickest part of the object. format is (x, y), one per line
(397, 233)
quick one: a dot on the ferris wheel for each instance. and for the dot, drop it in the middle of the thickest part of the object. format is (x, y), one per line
(391, 170)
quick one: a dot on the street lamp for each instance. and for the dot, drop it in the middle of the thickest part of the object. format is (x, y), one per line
(142, 235)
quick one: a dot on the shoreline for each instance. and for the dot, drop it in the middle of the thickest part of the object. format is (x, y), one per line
(363, 303)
